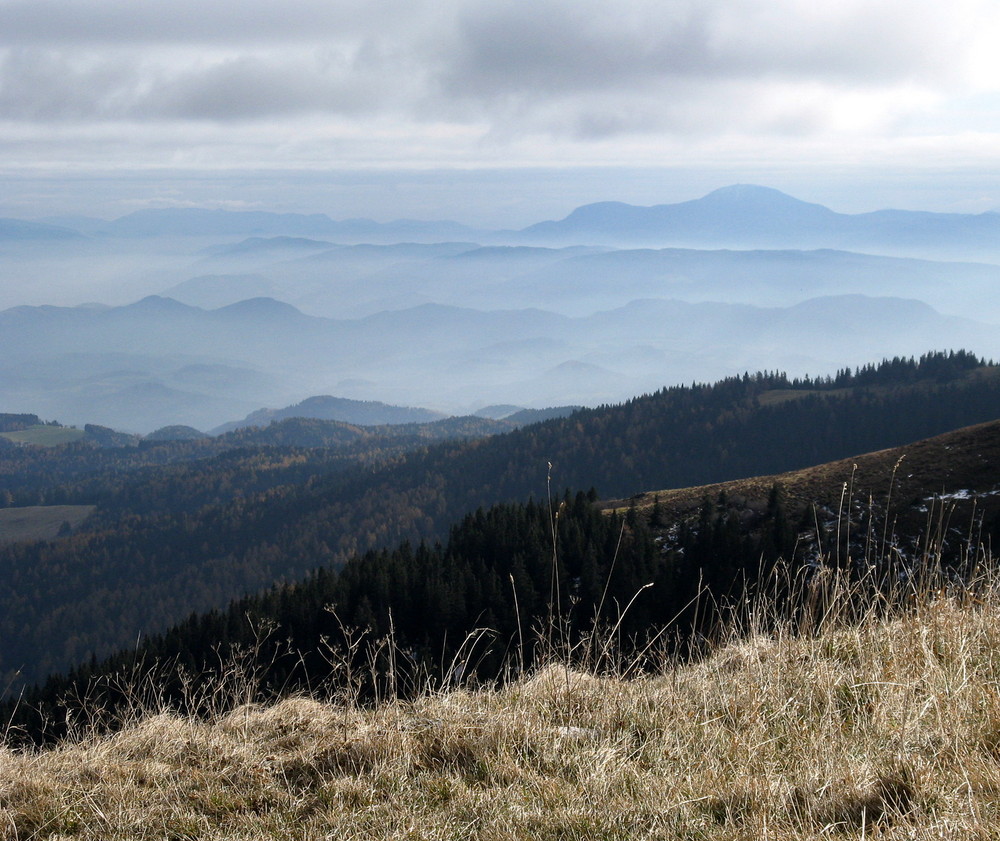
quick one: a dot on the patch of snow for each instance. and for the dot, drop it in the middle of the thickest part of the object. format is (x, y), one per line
(962, 494)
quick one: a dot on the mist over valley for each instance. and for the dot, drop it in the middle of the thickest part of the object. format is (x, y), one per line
(199, 318)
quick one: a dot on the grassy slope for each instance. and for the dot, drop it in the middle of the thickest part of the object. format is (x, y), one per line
(45, 435)
(39, 522)
(888, 729)
(966, 459)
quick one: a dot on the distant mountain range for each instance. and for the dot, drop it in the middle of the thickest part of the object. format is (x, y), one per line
(260, 309)
(325, 407)
(353, 281)
(747, 216)
(201, 222)
(158, 362)
(13, 230)
(740, 216)
(255, 246)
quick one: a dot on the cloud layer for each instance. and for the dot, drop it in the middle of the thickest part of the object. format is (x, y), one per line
(480, 81)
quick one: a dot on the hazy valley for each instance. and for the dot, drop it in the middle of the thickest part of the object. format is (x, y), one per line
(199, 318)
(293, 390)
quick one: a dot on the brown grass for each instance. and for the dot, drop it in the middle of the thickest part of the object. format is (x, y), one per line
(886, 728)
(963, 459)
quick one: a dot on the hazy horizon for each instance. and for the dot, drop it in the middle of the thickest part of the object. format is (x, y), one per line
(486, 198)
(494, 113)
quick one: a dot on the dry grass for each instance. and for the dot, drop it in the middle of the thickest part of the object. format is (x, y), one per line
(911, 474)
(886, 729)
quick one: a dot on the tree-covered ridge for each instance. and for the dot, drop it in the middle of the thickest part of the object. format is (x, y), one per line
(88, 471)
(104, 459)
(170, 539)
(14, 422)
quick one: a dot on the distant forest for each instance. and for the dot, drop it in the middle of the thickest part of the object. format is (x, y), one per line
(170, 539)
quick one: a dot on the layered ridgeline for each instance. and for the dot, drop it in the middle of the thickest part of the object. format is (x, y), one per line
(46, 474)
(158, 362)
(519, 584)
(747, 215)
(167, 540)
(610, 302)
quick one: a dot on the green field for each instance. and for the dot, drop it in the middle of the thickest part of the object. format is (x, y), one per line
(39, 522)
(44, 435)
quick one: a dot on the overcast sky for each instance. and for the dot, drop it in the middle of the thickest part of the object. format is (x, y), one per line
(459, 108)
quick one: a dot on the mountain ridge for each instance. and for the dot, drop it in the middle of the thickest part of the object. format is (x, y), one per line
(193, 534)
(689, 540)
(328, 407)
(738, 215)
(100, 366)
(747, 215)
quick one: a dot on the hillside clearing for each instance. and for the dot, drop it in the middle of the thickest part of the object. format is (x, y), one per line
(959, 467)
(45, 435)
(40, 522)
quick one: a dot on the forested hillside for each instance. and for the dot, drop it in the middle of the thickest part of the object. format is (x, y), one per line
(102, 459)
(535, 576)
(168, 540)
(517, 584)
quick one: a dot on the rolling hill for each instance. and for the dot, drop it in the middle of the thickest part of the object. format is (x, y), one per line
(325, 407)
(940, 493)
(159, 362)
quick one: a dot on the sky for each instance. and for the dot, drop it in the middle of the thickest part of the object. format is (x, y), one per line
(495, 112)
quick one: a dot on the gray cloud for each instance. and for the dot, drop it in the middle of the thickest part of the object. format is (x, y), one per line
(497, 70)
(49, 84)
(560, 47)
(110, 22)
(247, 87)
(535, 48)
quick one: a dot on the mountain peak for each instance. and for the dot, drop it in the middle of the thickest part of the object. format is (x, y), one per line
(745, 191)
(754, 196)
(734, 216)
(157, 304)
(259, 306)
